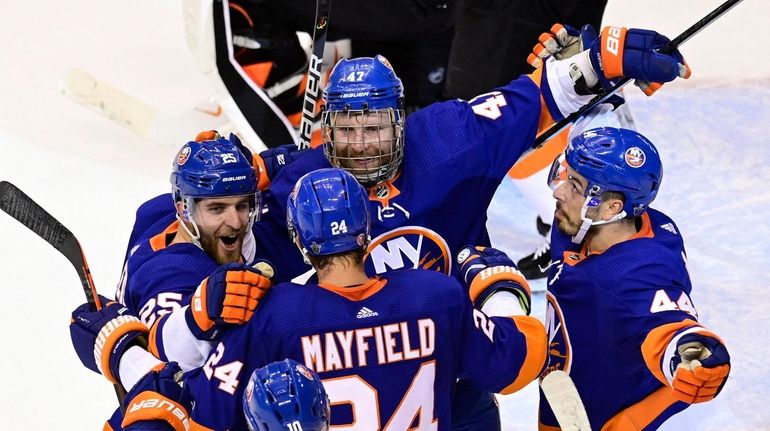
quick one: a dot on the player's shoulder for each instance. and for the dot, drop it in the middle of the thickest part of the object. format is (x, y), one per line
(177, 260)
(422, 284)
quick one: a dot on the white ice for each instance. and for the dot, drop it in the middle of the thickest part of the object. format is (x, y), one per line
(92, 174)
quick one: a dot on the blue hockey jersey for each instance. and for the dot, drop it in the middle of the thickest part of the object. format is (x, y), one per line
(610, 317)
(456, 155)
(389, 351)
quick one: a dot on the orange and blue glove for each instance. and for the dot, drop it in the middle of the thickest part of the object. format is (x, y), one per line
(100, 337)
(227, 297)
(159, 402)
(700, 367)
(635, 53)
(487, 270)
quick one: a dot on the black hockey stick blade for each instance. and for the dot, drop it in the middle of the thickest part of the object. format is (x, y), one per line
(313, 85)
(670, 47)
(26, 211)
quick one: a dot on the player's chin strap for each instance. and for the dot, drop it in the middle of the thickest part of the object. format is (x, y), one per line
(195, 238)
(587, 222)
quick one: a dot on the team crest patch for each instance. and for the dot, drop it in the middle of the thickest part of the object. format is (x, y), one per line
(384, 61)
(304, 371)
(635, 157)
(184, 154)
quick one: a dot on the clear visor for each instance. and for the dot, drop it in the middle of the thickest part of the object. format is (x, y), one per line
(558, 173)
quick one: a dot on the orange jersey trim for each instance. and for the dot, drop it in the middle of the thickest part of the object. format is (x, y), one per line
(572, 258)
(546, 120)
(537, 341)
(259, 72)
(391, 193)
(161, 240)
(638, 416)
(107, 427)
(356, 293)
(152, 340)
(543, 427)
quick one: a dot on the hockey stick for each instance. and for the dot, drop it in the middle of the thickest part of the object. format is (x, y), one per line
(313, 84)
(669, 48)
(565, 402)
(141, 118)
(26, 211)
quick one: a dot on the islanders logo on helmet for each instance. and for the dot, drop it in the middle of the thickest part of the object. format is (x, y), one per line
(183, 155)
(635, 157)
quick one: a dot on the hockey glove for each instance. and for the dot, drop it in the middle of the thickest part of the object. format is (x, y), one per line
(700, 367)
(635, 53)
(487, 270)
(101, 337)
(227, 297)
(272, 160)
(562, 41)
(158, 401)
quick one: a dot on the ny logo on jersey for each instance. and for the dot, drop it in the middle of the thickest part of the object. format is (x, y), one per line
(409, 247)
(559, 347)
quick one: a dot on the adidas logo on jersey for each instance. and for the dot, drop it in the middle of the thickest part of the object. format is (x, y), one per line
(670, 227)
(364, 312)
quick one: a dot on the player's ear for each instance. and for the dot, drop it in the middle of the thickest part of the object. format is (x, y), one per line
(611, 207)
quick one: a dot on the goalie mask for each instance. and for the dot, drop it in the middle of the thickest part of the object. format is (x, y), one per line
(363, 119)
(611, 160)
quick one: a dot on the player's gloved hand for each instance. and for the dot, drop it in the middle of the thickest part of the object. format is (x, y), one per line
(562, 41)
(700, 367)
(487, 270)
(227, 297)
(272, 160)
(635, 53)
(101, 337)
(158, 401)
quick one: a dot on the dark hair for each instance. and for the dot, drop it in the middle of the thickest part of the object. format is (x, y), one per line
(352, 257)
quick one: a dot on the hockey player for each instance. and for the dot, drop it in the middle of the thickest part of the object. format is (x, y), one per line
(389, 347)
(279, 396)
(420, 171)
(619, 314)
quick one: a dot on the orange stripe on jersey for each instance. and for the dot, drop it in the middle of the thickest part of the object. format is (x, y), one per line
(537, 340)
(152, 406)
(107, 427)
(572, 258)
(546, 120)
(161, 240)
(543, 427)
(356, 293)
(640, 415)
(152, 341)
(540, 158)
(263, 181)
(259, 72)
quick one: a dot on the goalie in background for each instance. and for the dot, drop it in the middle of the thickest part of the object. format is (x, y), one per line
(256, 54)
